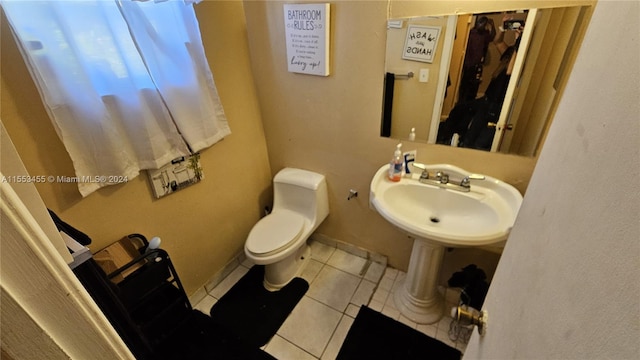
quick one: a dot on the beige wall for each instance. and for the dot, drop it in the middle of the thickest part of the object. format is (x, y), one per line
(203, 226)
(331, 124)
(325, 124)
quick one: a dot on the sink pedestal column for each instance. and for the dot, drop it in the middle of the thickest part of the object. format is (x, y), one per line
(418, 298)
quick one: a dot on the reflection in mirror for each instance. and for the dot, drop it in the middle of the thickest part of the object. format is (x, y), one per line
(485, 48)
(481, 87)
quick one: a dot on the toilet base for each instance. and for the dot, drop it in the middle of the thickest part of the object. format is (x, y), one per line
(279, 274)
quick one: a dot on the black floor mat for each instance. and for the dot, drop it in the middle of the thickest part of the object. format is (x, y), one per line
(376, 336)
(201, 339)
(253, 313)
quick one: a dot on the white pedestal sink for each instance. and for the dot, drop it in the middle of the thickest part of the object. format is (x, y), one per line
(440, 216)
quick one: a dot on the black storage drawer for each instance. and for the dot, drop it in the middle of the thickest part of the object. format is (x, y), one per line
(148, 299)
(154, 296)
(142, 283)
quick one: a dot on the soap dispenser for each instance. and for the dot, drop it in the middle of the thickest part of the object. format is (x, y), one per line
(396, 164)
(412, 134)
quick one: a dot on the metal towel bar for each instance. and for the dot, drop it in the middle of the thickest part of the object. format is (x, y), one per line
(407, 76)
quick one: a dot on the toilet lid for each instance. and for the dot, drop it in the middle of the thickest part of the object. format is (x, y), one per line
(274, 231)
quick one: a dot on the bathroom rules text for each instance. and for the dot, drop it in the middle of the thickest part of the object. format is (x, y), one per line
(307, 38)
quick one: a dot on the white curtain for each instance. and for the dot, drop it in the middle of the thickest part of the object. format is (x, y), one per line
(126, 83)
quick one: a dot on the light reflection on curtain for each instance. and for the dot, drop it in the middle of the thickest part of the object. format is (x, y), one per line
(126, 83)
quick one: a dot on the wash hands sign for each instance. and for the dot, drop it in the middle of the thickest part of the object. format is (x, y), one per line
(307, 36)
(420, 44)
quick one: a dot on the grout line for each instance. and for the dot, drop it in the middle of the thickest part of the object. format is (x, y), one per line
(331, 337)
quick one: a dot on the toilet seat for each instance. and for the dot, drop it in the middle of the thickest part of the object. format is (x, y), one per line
(274, 232)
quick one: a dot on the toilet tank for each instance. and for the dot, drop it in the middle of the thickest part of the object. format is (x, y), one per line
(302, 191)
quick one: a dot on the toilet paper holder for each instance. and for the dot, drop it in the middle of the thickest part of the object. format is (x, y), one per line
(469, 316)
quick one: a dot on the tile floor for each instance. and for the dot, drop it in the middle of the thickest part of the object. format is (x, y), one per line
(319, 323)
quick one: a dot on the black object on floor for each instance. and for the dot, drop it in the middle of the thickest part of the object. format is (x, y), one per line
(253, 313)
(376, 336)
(472, 280)
(202, 339)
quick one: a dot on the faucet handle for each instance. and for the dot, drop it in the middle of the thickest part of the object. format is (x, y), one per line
(423, 167)
(466, 181)
(442, 177)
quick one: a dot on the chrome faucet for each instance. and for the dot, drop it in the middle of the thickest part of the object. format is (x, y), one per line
(466, 181)
(442, 179)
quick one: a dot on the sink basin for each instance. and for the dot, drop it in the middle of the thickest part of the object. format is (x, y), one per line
(439, 216)
(482, 216)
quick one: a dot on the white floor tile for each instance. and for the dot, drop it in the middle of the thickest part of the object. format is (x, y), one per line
(363, 293)
(445, 339)
(310, 325)
(405, 320)
(311, 270)
(461, 334)
(320, 251)
(380, 295)
(352, 310)
(206, 304)
(391, 312)
(386, 283)
(398, 283)
(375, 272)
(429, 330)
(462, 346)
(391, 273)
(391, 301)
(228, 282)
(281, 349)
(376, 305)
(443, 324)
(332, 350)
(334, 288)
(347, 262)
(443, 331)
(197, 296)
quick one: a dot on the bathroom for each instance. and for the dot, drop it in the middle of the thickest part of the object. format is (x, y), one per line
(327, 124)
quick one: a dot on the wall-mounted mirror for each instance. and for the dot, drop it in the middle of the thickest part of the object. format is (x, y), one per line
(477, 80)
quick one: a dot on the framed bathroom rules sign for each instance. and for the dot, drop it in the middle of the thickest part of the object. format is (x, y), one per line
(307, 37)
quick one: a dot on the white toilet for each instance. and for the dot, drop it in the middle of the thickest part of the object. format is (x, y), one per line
(279, 240)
